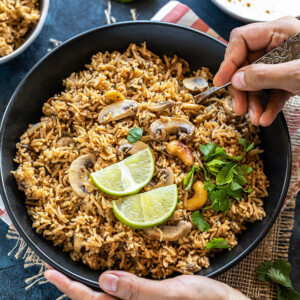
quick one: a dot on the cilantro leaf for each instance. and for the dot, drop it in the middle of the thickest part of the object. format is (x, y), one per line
(279, 272)
(208, 185)
(284, 293)
(226, 174)
(277, 276)
(244, 169)
(189, 178)
(199, 221)
(217, 243)
(263, 269)
(246, 144)
(208, 149)
(134, 134)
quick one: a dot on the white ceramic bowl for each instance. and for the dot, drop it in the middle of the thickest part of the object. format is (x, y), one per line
(44, 5)
(256, 12)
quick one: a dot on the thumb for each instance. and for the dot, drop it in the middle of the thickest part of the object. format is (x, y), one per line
(284, 76)
(131, 287)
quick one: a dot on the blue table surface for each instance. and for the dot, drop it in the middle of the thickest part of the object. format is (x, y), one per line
(66, 19)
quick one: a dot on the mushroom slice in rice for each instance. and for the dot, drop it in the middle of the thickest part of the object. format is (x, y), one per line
(79, 174)
(166, 177)
(195, 83)
(169, 233)
(161, 106)
(132, 148)
(160, 129)
(117, 111)
(77, 241)
(64, 141)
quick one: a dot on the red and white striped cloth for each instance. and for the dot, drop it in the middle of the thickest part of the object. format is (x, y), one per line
(176, 12)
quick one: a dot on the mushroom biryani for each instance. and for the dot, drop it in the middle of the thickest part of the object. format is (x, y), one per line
(127, 171)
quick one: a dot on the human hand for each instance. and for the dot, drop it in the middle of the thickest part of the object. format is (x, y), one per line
(246, 45)
(123, 285)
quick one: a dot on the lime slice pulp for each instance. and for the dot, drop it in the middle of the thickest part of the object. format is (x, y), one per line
(147, 209)
(126, 177)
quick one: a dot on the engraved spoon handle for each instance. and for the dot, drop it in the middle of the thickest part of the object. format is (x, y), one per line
(289, 50)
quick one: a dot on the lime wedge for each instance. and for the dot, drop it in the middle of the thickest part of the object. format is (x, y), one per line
(148, 209)
(126, 177)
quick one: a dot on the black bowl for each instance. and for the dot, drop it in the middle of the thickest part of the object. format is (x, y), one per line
(45, 79)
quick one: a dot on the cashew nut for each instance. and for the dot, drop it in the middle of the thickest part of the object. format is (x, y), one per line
(77, 243)
(182, 151)
(199, 198)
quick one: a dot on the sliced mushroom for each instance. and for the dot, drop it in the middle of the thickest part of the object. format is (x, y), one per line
(133, 148)
(227, 104)
(166, 177)
(190, 106)
(195, 83)
(160, 129)
(77, 243)
(33, 128)
(161, 106)
(64, 141)
(169, 233)
(79, 174)
(117, 111)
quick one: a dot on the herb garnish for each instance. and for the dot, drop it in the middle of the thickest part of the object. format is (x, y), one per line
(229, 177)
(134, 134)
(199, 221)
(217, 243)
(189, 178)
(279, 273)
(246, 144)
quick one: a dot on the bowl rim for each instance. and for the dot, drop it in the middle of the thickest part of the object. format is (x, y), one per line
(76, 276)
(33, 35)
(238, 17)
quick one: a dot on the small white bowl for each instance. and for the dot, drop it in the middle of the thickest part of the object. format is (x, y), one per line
(44, 5)
(256, 12)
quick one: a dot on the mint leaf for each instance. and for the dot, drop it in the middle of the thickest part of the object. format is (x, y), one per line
(134, 134)
(199, 221)
(263, 269)
(246, 144)
(189, 178)
(226, 174)
(215, 165)
(235, 158)
(217, 243)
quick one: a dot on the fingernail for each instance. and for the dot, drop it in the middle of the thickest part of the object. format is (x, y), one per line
(109, 282)
(251, 115)
(238, 80)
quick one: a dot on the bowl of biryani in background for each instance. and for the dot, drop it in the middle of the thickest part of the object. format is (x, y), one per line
(20, 24)
(123, 112)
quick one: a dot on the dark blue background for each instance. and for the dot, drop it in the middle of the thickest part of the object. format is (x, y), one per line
(65, 19)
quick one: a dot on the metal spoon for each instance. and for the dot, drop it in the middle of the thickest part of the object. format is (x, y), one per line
(289, 50)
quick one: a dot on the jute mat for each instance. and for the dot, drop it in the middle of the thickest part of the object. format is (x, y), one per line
(242, 276)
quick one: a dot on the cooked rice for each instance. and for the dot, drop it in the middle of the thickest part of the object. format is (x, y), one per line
(17, 18)
(60, 215)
